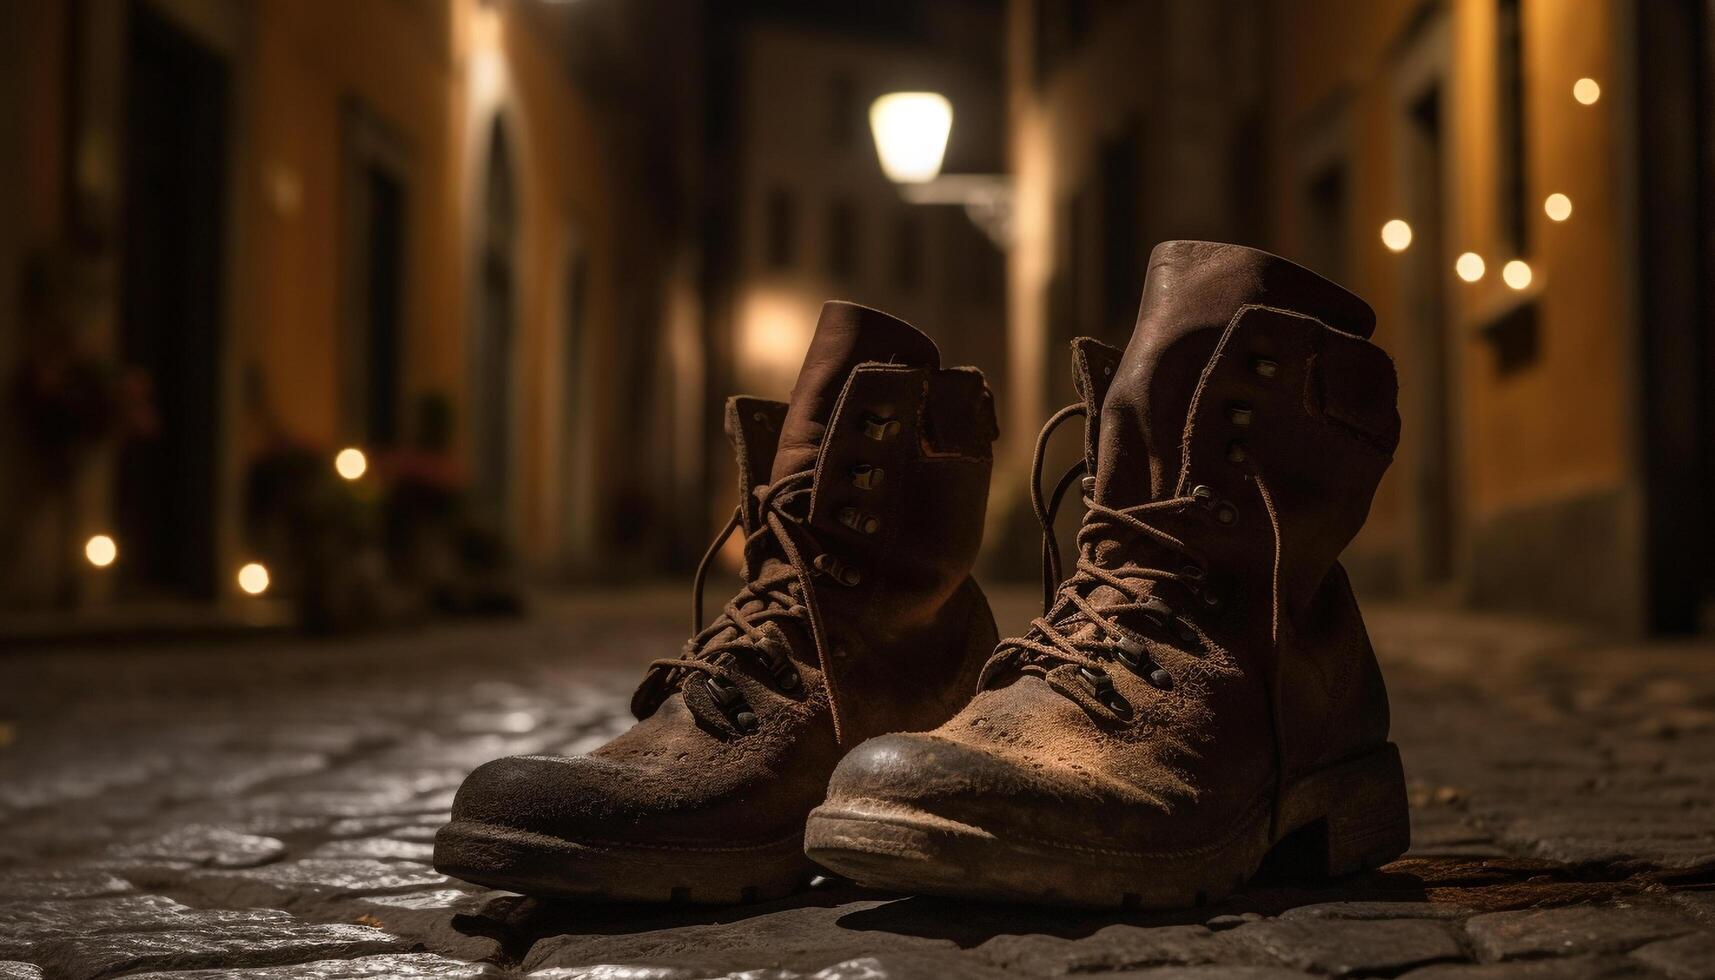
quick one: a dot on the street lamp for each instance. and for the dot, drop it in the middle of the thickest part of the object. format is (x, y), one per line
(911, 130)
(911, 134)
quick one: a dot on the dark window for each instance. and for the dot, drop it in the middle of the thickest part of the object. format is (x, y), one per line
(908, 251)
(1061, 26)
(780, 231)
(384, 307)
(1122, 259)
(1326, 217)
(842, 110)
(842, 239)
(1510, 117)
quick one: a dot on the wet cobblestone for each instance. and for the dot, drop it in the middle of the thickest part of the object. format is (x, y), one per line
(266, 810)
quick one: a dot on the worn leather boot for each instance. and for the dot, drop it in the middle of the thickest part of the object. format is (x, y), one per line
(862, 505)
(1201, 690)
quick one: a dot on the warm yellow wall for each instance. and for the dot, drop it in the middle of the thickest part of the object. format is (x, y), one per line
(309, 58)
(1556, 427)
(417, 68)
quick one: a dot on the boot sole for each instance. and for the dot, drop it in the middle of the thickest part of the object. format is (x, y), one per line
(1345, 818)
(544, 866)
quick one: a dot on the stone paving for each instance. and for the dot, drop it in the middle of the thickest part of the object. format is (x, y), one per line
(264, 809)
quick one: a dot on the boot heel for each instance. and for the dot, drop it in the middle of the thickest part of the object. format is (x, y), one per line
(1347, 818)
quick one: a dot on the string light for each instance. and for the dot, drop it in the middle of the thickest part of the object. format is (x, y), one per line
(1470, 266)
(1396, 235)
(1516, 273)
(253, 578)
(101, 550)
(351, 463)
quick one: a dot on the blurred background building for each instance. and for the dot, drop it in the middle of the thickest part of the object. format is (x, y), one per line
(516, 253)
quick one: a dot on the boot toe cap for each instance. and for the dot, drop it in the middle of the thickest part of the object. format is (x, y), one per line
(560, 796)
(926, 770)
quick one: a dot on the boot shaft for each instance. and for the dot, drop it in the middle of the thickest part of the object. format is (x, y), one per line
(1250, 381)
(901, 454)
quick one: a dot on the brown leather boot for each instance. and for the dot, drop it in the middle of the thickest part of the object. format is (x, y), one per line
(1201, 690)
(862, 507)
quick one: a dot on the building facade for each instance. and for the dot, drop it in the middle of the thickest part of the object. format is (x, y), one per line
(1521, 188)
(419, 228)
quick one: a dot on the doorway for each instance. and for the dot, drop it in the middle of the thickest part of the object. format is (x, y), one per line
(1675, 108)
(496, 327)
(376, 226)
(1420, 83)
(172, 290)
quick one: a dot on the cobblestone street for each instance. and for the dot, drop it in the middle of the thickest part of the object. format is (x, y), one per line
(265, 808)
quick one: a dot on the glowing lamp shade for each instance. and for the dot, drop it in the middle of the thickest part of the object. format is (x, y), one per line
(1470, 266)
(101, 551)
(253, 578)
(350, 463)
(1516, 273)
(910, 130)
(1396, 235)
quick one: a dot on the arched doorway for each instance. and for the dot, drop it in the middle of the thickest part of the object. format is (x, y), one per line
(494, 332)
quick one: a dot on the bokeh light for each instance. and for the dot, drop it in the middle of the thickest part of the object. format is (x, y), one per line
(1396, 235)
(101, 550)
(1586, 91)
(253, 578)
(1558, 207)
(1516, 273)
(1470, 266)
(350, 463)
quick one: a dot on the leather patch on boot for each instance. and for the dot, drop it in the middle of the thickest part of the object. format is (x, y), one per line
(1094, 366)
(753, 428)
(1352, 382)
(959, 413)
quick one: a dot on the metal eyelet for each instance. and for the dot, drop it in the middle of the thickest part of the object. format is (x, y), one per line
(1204, 495)
(1226, 513)
(723, 694)
(1193, 572)
(1160, 679)
(1240, 414)
(1236, 452)
(837, 570)
(1183, 632)
(880, 427)
(1097, 680)
(745, 720)
(1130, 652)
(858, 521)
(867, 477)
(1265, 367)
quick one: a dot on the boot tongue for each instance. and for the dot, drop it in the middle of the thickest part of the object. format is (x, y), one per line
(846, 335)
(1190, 294)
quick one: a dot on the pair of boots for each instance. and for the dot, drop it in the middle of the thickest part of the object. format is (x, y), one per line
(1197, 694)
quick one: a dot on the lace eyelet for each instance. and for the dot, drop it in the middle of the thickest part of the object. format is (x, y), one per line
(745, 720)
(1160, 679)
(1236, 452)
(1097, 680)
(1264, 367)
(880, 427)
(858, 521)
(1194, 573)
(1240, 414)
(1130, 652)
(837, 570)
(1226, 514)
(1183, 632)
(867, 477)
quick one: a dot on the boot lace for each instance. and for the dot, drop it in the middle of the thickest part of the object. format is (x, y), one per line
(784, 593)
(1076, 628)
